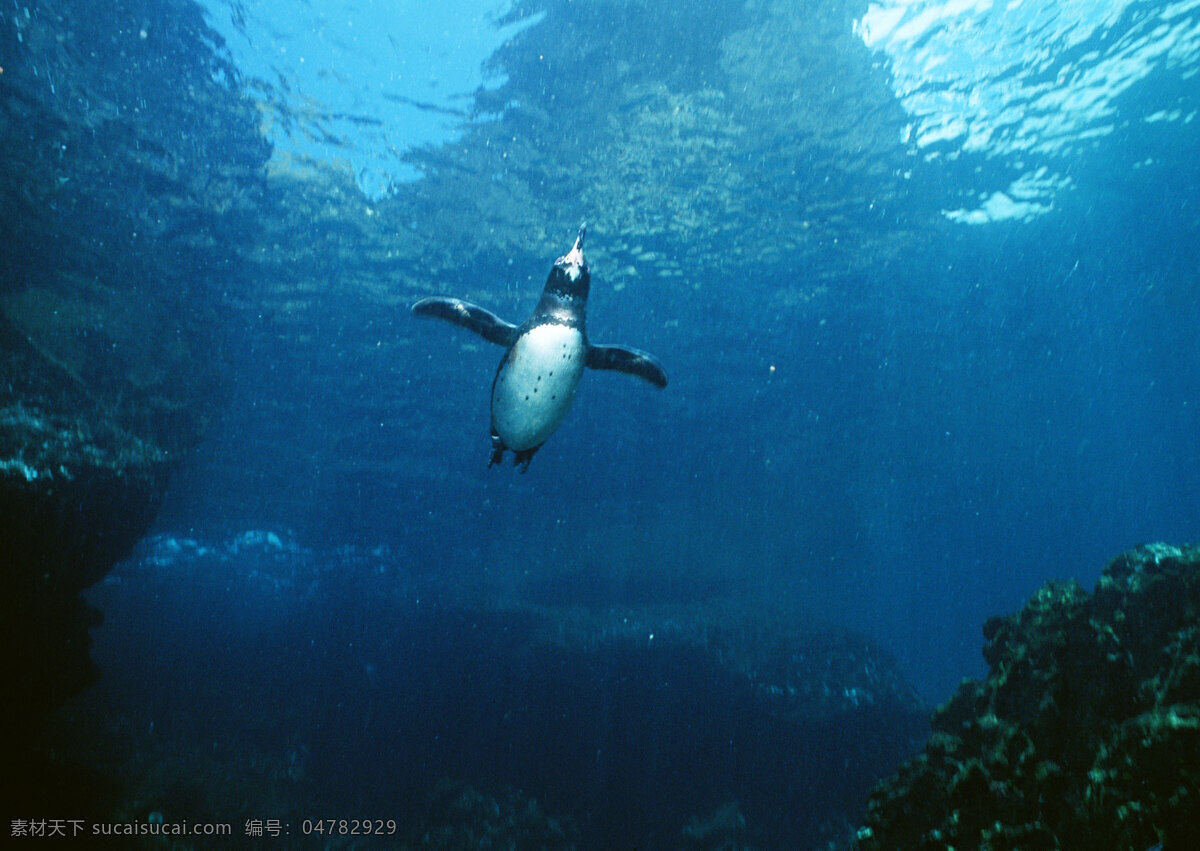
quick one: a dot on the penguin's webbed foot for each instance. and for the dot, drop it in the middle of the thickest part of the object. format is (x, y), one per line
(497, 450)
(521, 457)
(524, 457)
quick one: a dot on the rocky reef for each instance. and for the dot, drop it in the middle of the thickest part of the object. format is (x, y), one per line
(1084, 735)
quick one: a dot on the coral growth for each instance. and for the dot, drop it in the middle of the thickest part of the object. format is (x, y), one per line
(1085, 734)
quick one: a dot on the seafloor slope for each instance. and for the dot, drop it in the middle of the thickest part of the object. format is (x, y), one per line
(1084, 735)
(284, 683)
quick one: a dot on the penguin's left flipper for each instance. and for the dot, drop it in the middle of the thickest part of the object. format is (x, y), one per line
(470, 316)
(631, 361)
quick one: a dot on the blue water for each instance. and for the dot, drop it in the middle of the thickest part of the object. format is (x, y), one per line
(924, 277)
(376, 77)
(1004, 399)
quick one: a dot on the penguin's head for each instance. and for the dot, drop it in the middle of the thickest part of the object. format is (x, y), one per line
(569, 279)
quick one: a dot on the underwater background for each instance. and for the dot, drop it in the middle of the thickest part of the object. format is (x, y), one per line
(925, 277)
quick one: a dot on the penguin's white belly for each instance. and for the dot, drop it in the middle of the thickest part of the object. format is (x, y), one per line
(536, 384)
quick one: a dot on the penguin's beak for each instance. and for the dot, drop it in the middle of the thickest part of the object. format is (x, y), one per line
(574, 257)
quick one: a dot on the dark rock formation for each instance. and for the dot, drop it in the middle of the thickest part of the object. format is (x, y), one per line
(1086, 733)
(76, 492)
(117, 224)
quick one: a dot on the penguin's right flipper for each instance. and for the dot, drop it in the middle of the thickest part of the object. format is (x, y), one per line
(470, 316)
(628, 360)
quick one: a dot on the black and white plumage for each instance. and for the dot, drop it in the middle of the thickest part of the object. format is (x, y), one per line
(545, 357)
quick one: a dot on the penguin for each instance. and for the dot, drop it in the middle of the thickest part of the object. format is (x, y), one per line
(544, 358)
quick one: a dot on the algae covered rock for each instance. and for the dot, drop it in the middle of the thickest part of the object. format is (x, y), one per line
(1085, 733)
